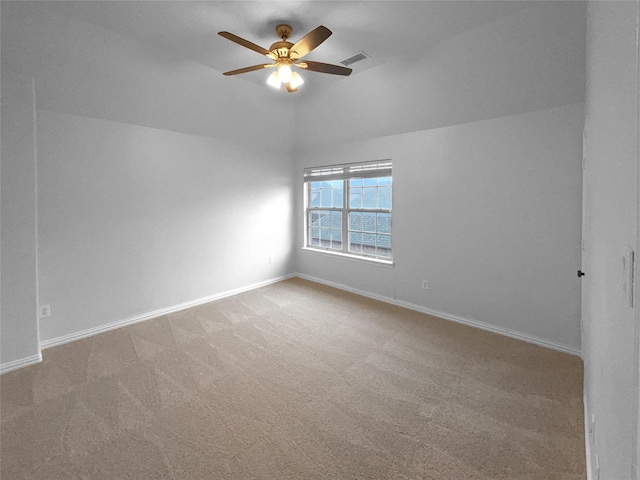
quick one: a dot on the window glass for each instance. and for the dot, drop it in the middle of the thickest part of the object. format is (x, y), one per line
(338, 197)
(364, 221)
(355, 197)
(315, 198)
(384, 197)
(369, 197)
(383, 223)
(325, 198)
(369, 222)
(355, 221)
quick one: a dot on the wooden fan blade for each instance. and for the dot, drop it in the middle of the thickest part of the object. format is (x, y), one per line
(247, 44)
(325, 68)
(289, 89)
(310, 41)
(250, 69)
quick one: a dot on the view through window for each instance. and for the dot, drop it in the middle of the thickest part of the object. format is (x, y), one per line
(348, 209)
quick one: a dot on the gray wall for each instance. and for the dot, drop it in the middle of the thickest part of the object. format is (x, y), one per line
(134, 220)
(489, 213)
(18, 260)
(486, 138)
(155, 190)
(489, 121)
(611, 327)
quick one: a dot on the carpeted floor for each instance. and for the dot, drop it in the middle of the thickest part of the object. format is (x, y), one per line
(295, 381)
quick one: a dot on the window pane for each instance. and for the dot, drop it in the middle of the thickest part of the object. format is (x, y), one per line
(370, 182)
(355, 221)
(355, 198)
(370, 197)
(384, 246)
(384, 250)
(369, 243)
(336, 239)
(384, 181)
(336, 220)
(325, 219)
(315, 184)
(314, 201)
(369, 222)
(336, 184)
(383, 241)
(325, 198)
(355, 242)
(384, 197)
(325, 237)
(355, 182)
(337, 198)
(384, 223)
(314, 238)
(315, 219)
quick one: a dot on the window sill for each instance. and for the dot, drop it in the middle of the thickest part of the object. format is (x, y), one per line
(375, 261)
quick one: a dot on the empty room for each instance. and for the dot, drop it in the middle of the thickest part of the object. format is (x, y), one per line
(320, 240)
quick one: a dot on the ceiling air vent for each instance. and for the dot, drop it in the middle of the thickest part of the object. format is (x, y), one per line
(356, 58)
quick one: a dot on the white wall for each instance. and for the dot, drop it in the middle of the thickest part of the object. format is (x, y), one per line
(486, 161)
(160, 182)
(18, 262)
(124, 233)
(134, 219)
(488, 212)
(611, 202)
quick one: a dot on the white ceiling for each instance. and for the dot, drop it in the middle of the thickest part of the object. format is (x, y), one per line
(159, 64)
(388, 31)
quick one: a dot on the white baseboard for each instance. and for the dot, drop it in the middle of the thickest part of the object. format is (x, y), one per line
(466, 321)
(587, 437)
(54, 342)
(20, 363)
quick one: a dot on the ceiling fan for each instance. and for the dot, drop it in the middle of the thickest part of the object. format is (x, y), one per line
(287, 55)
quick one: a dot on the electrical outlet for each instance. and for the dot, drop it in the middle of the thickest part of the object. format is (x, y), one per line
(425, 285)
(45, 311)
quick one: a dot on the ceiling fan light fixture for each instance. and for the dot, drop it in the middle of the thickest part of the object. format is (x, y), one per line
(273, 80)
(296, 80)
(284, 72)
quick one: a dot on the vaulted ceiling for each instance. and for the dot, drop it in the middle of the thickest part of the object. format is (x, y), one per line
(432, 63)
(387, 31)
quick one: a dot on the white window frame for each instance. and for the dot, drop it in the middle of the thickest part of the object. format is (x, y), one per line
(346, 172)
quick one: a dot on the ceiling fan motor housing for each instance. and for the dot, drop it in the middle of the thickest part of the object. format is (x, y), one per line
(281, 49)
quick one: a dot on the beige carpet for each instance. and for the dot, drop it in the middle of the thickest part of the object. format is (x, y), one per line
(295, 381)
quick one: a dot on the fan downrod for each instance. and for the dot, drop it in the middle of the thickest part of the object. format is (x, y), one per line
(281, 49)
